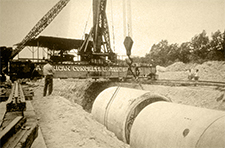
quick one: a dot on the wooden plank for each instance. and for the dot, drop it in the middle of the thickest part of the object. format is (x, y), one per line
(13, 141)
(26, 135)
(5, 133)
(2, 111)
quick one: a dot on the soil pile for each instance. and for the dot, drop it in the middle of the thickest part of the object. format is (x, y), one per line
(178, 66)
(209, 71)
(213, 70)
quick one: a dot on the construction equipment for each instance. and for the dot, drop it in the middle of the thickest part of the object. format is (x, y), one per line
(40, 26)
(97, 42)
(96, 58)
(6, 59)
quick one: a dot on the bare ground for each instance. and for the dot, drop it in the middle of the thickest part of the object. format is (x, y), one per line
(66, 124)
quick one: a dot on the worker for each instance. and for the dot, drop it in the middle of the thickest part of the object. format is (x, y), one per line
(8, 81)
(137, 72)
(5, 78)
(189, 74)
(48, 72)
(35, 74)
(196, 77)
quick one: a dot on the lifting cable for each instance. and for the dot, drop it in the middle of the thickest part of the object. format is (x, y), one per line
(127, 21)
(124, 19)
(127, 33)
(89, 15)
(113, 33)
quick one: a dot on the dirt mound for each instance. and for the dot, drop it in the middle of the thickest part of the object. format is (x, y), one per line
(178, 66)
(213, 70)
(66, 124)
(210, 71)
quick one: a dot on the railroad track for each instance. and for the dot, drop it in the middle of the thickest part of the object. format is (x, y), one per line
(18, 126)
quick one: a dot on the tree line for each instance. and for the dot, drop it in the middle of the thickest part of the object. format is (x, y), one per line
(200, 49)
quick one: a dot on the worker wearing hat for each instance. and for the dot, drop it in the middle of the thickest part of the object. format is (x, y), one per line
(48, 72)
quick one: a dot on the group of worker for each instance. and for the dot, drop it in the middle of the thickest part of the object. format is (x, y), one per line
(193, 74)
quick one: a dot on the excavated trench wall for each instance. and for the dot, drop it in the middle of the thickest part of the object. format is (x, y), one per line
(84, 93)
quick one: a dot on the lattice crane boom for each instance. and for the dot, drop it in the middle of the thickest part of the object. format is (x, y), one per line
(99, 35)
(101, 31)
(40, 26)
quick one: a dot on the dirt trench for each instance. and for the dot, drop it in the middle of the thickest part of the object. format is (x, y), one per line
(84, 92)
(65, 119)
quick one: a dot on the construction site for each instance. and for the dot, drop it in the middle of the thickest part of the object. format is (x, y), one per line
(102, 101)
(65, 120)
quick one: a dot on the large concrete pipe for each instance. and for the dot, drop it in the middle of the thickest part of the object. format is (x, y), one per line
(170, 125)
(117, 107)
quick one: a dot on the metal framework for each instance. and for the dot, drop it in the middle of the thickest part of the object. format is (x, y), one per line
(16, 101)
(97, 42)
(40, 26)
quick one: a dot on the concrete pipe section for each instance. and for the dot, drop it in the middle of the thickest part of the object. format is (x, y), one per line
(117, 107)
(170, 125)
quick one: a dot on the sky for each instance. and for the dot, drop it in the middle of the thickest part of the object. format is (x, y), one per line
(152, 21)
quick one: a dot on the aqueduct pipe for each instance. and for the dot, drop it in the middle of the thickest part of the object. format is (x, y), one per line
(170, 125)
(117, 107)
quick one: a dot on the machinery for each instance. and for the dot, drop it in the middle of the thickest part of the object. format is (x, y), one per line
(16, 69)
(36, 30)
(96, 58)
(5, 54)
(40, 26)
(97, 43)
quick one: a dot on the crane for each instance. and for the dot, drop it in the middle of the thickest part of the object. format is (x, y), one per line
(40, 26)
(95, 48)
(97, 42)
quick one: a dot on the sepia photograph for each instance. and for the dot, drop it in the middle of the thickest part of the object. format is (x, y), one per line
(112, 73)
